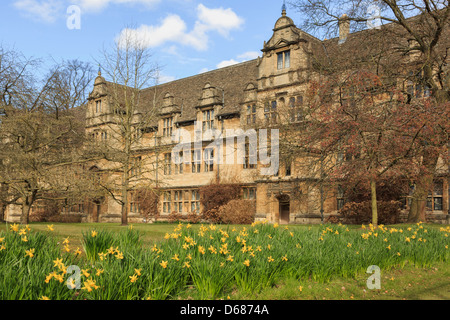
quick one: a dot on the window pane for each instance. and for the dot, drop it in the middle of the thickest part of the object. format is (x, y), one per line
(280, 61)
(287, 59)
(438, 203)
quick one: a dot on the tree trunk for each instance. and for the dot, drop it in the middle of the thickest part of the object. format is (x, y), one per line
(2, 212)
(423, 186)
(373, 192)
(24, 218)
(125, 183)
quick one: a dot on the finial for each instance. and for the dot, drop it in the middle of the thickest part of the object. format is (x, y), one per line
(283, 8)
(99, 70)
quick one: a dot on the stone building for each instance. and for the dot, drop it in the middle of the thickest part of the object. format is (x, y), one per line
(245, 96)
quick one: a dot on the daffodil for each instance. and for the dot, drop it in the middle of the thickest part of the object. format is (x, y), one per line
(133, 278)
(57, 262)
(175, 257)
(94, 233)
(247, 263)
(119, 255)
(186, 265)
(14, 227)
(100, 271)
(29, 253)
(44, 298)
(66, 240)
(164, 264)
(284, 258)
(50, 227)
(85, 273)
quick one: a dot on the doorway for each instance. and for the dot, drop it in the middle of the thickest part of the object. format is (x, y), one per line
(284, 212)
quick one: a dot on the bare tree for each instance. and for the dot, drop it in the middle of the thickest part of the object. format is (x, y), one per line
(129, 68)
(38, 132)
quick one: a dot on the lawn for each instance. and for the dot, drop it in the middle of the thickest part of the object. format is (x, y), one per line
(333, 260)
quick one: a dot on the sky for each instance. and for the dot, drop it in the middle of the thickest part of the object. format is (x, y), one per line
(186, 37)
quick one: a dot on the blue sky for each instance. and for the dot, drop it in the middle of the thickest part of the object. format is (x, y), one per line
(186, 36)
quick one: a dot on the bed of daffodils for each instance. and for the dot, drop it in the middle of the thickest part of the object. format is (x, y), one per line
(212, 259)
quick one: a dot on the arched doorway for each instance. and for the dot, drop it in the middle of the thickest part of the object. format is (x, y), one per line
(284, 208)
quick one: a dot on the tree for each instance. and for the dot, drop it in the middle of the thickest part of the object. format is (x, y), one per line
(38, 132)
(411, 50)
(129, 67)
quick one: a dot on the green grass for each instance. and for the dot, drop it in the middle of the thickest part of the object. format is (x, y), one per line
(322, 261)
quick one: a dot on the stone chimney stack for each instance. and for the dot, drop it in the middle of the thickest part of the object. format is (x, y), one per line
(344, 28)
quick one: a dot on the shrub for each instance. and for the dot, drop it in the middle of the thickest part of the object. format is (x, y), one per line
(215, 195)
(212, 216)
(175, 217)
(148, 200)
(361, 213)
(238, 212)
(193, 217)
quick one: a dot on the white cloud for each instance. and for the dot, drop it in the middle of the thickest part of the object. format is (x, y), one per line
(203, 70)
(220, 20)
(45, 10)
(165, 78)
(227, 63)
(173, 28)
(249, 55)
(99, 5)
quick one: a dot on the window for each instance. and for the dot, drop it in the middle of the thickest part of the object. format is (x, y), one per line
(137, 134)
(178, 201)
(167, 202)
(196, 161)
(195, 201)
(98, 106)
(104, 136)
(167, 164)
(284, 60)
(415, 86)
(270, 112)
(79, 208)
(186, 198)
(340, 197)
(134, 204)
(288, 169)
(167, 126)
(249, 156)
(179, 167)
(434, 200)
(251, 114)
(208, 119)
(136, 166)
(295, 110)
(209, 159)
(249, 193)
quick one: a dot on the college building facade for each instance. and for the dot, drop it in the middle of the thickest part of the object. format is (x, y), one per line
(256, 94)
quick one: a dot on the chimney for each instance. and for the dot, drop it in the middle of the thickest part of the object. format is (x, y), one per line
(344, 28)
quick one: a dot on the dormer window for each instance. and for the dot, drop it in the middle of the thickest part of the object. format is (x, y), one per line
(284, 60)
(208, 120)
(98, 106)
(167, 127)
